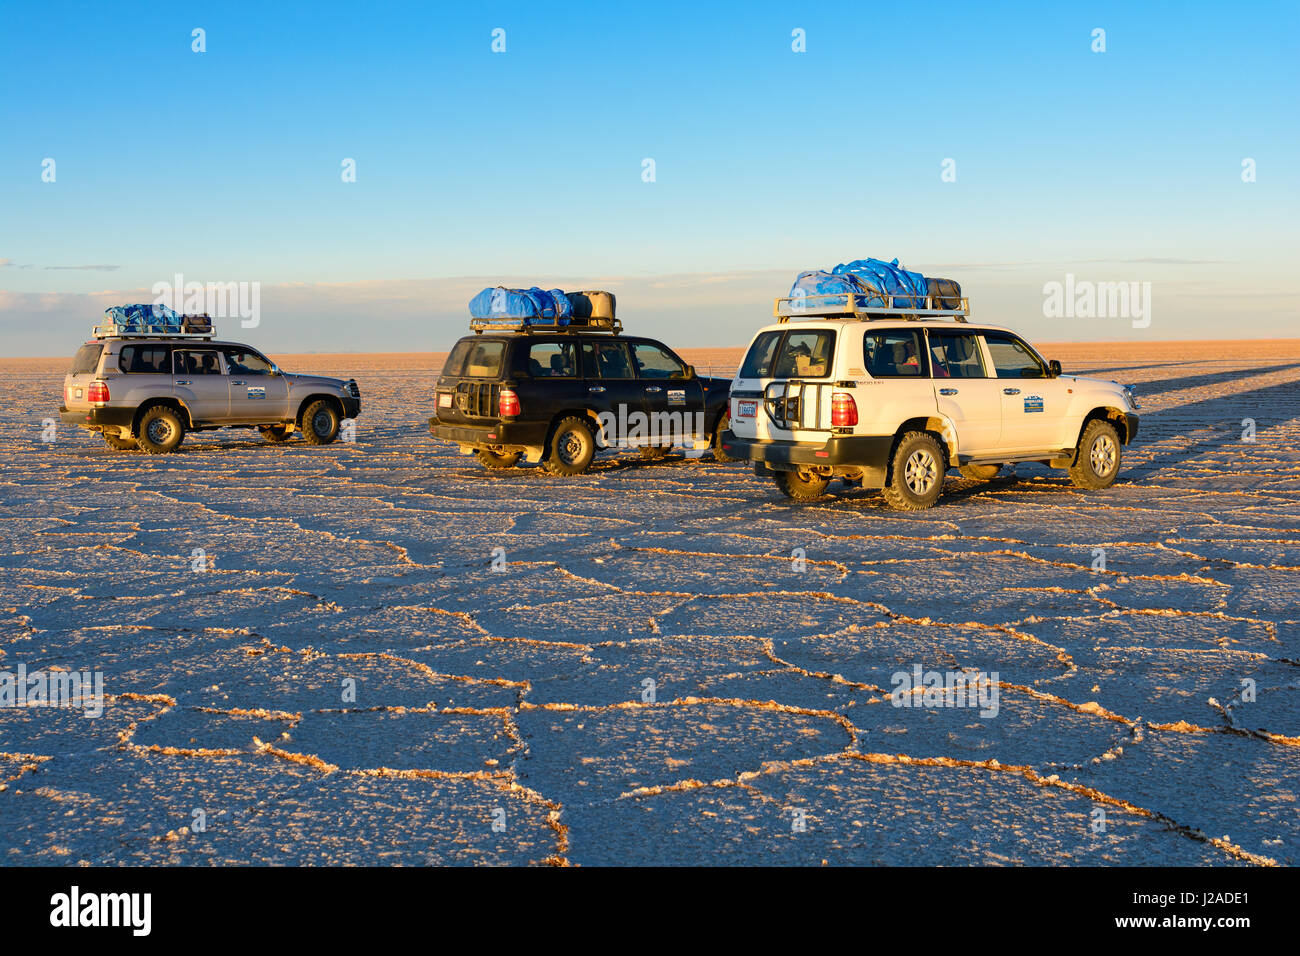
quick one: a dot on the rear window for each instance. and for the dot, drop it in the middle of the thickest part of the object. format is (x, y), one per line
(475, 358)
(796, 354)
(805, 354)
(86, 359)
(155, 359)
(758, 363)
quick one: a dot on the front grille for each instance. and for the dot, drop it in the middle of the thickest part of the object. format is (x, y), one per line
(478, 399)
(353, 390)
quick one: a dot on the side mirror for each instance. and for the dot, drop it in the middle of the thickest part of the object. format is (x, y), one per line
(690, 371)
(1054, 368)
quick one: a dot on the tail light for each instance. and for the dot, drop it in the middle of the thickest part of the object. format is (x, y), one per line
(97, 393)
(509, 403)
(844, 410)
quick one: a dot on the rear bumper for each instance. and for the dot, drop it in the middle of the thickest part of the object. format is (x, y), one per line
(98, 417)
(870, 453)
(515, 435)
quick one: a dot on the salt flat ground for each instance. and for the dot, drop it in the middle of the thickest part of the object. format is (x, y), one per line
(1126, 731)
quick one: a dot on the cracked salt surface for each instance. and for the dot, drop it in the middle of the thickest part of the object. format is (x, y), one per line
(1160, 692)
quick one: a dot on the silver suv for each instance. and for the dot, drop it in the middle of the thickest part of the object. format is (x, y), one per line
(146, 391)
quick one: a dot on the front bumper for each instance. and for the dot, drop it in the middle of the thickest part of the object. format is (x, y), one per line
(1131, 426)
(98, 417)
(512, 435)
(870, 453)
(351, 406)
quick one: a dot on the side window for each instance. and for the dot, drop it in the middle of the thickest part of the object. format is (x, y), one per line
(1012, 358)
(653, 361)
(246, 362)
(145, 359)
(805, 355)
(893, 354)
(552, 360)
(956, 355)
(196, 363)
(612, 360)
(761, 355)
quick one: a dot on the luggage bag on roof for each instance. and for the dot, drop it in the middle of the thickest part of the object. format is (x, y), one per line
(593, 304)
(945, 293)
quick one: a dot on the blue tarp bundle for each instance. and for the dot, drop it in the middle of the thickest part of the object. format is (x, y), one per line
(519, 307)
(888, 277)
(143, 318)
(870, 280)
(811, 290)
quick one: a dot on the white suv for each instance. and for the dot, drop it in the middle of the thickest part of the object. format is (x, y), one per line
(891, 401)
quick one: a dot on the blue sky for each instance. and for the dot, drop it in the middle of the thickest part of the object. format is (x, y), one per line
(225, 165)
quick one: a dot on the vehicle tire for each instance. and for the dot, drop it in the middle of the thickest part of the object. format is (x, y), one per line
(723, 424)
(160, 430)
(915, 473)
(1096, 464)
(498, 462)
(276, 433)
(980, 472)
(801, 486)
(572, 448)
(121, 444)
(654, 452)
(321, 422)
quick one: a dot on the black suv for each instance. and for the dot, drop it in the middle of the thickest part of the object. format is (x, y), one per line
(556, 396)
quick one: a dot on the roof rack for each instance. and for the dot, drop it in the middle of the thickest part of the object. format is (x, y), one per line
(107, 330)
(854, 305)
(529, 326)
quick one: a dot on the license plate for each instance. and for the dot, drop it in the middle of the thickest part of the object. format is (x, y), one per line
(746, 409)
(444, 400)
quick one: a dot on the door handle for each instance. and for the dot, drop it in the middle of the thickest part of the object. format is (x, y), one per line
(947, 391)
(183, 381)
(654, 388)
(596, 388)
(1011, 391)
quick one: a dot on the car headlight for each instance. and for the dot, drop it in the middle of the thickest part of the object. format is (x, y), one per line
(1131, 398)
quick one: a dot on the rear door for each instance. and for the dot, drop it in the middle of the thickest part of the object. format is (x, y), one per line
(786, 383)
(84, 370)
(613, 386)
(893, 379)
(257, 395)
(469, 390)
(1033, 403)
(548, 375)
(200, 381)
(964, 392)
